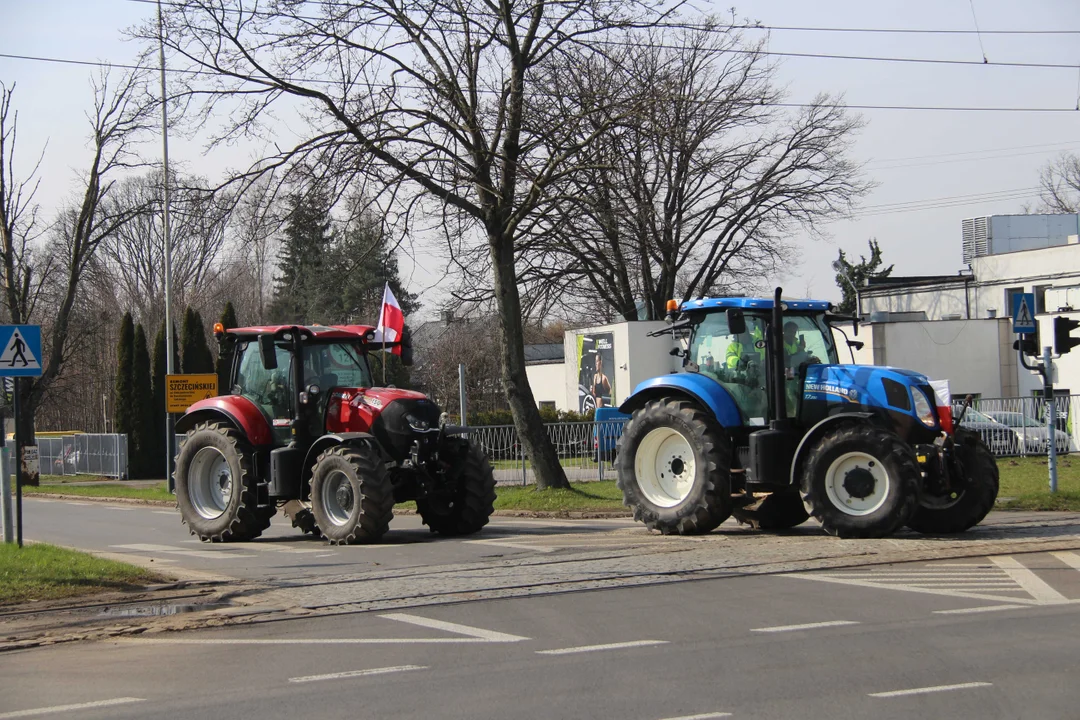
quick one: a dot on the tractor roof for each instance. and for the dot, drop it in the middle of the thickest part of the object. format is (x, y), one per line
(753, 304)
(323, 332)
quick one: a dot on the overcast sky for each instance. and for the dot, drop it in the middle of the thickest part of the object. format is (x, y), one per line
(934, 168)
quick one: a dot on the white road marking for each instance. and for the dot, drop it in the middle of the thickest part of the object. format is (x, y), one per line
(961, 565)
(934, 689)
(509, 542)
(702, 716)
(116, 507)
(68, 708)
(357, 673)
(1069, 558)
(282, 547)
(170, 550)
(326, 555)
(806, 626)
(595, 648)
(840, 579)
(80, 504)
(980, 609)
(165, 512)
(1036, 586)
(539, 523)
(467, 630)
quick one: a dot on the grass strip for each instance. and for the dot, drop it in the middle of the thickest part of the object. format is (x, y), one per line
(117, 490)
(1025, 484)
(47, 572)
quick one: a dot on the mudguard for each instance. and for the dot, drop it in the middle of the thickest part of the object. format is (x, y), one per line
(703, 389)
(235, 409)
(328, 441)
(817, 431)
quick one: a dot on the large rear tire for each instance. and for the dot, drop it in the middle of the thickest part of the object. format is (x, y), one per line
(944, 514)
(861, 481)
(776, 511)
(468, 510)
(351, 495)
(673, 464)
(216, 488)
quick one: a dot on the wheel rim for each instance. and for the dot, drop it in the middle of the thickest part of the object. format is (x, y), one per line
(857, 483)
(665, 467)
(338, 498)
(210, 483)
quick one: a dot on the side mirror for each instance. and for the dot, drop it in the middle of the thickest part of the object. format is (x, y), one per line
(267, 352)
(857, 344)
(736, 321)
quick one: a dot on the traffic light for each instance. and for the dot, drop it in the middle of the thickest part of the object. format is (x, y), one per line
(1063, 340)
(1028, 344)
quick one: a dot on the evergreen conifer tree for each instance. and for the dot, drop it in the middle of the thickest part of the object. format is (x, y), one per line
(141, 448)
(225, 350)
(194, 352)
(158, 407)
(123, 418)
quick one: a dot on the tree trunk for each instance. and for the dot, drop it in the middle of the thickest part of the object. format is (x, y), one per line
(530, 428)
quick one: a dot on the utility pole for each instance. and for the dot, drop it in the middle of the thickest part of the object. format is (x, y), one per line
(169, 349)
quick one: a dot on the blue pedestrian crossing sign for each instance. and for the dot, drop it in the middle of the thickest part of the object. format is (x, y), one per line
(20, 350)
(1023, 315)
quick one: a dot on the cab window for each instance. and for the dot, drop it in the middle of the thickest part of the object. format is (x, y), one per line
(271, 390)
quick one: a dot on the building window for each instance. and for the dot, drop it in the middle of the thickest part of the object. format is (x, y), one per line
(547, 405)
(1040, 297)
(1009, 293)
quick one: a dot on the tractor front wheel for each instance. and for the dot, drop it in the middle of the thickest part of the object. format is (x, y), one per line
(861, 481)
(961, 509)
(216, 489)
(673, 464)
(351, 495)
(468, 509)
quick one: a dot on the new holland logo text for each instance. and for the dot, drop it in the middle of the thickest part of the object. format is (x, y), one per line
(815, 391)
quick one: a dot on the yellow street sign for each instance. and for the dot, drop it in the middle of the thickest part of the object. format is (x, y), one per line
(181, 391)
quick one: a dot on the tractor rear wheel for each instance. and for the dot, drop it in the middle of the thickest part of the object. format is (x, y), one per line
(861, 481)
(469, 508)
(958, 511)
(673, 462)
(216, 489)
(351, 495)
(776, 511)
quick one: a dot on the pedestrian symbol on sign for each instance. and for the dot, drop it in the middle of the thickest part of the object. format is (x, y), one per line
(1023, 313)
(17, 354)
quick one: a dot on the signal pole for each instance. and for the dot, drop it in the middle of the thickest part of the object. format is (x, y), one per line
(169, 349)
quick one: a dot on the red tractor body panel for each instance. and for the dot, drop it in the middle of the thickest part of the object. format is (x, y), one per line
(246, 414)
(355, 409)
(321, 332)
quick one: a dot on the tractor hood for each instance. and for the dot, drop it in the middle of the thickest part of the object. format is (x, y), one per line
(381, 397)
(867, 385)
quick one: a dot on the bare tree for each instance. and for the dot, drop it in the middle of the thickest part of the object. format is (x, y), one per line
(42, 281)
(133, 255)
(429, 100)
(1059, 181)
(700, 187)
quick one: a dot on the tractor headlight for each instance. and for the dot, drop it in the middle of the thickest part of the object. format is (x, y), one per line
(923, 409)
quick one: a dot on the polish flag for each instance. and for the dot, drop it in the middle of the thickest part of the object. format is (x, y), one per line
(391, 321)
(944, 404)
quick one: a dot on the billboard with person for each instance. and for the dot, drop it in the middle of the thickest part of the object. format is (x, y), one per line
(596, 371)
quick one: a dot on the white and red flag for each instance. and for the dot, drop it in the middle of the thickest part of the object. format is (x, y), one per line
(391, 321)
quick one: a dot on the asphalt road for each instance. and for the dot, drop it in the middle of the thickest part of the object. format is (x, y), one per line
(140, 534)
(755, 647)
(597, 619)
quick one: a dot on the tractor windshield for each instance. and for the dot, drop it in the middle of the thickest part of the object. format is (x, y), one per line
(738, 361)
(335, 365)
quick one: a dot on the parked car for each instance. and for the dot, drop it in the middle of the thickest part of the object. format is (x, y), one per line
(1000, 438)
(1032, 433)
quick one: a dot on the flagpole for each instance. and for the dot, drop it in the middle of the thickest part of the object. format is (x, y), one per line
(382, 322)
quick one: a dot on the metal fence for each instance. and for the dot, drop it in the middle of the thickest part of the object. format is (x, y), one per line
(1018, 425)
(586, 450)
(84, 454)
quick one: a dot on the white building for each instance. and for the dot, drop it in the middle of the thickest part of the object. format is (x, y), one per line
(959, 326)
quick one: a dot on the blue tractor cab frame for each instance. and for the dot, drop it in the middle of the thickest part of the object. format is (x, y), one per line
(778, 430)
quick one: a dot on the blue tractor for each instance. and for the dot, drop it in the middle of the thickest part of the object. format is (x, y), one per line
(765, 424)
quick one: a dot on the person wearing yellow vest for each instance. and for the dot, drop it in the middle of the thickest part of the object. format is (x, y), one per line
(745, 350)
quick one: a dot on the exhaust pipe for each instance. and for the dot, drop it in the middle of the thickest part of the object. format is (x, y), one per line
(776, 347)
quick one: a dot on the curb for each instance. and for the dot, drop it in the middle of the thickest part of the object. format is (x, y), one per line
(97, 498)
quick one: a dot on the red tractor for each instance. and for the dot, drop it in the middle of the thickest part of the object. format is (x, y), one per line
(302, 428)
